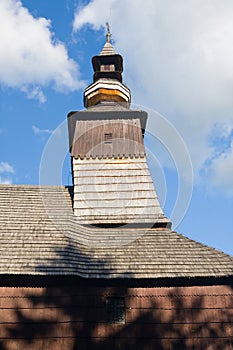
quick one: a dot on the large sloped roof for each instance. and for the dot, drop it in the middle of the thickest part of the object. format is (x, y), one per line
(40, 235)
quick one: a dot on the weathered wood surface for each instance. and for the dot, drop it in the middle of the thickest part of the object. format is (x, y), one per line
(105, 111)
(115, 190)
(89, 139)
(76, 317)
(40, 235)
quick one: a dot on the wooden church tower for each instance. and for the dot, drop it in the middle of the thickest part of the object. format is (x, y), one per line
(96, 265)
(112, 182)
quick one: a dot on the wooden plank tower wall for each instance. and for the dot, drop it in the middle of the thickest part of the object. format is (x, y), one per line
(112, 182)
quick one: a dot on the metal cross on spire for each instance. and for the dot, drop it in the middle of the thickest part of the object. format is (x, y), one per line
(108, 34)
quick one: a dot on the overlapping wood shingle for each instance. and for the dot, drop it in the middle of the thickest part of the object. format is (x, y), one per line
(39, 234)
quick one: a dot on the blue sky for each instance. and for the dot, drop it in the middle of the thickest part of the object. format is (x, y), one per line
(178, 60)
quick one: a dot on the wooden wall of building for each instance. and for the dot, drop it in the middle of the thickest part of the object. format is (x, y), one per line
(83, 318)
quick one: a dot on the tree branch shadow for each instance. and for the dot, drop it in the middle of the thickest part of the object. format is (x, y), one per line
(72, 313)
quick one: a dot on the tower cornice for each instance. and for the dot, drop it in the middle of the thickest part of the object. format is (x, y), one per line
(106, 90)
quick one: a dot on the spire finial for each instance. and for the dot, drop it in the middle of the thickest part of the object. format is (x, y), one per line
(108, 34)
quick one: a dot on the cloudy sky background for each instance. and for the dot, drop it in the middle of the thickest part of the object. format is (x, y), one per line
(178, 61)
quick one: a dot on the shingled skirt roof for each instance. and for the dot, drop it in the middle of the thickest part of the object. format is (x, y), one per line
(41, 236)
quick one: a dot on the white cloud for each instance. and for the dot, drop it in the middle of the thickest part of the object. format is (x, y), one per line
(43, 132)
(222, 170)
(5, 181)
(221, 165)
(30, 56)
(95, 13)
(178, 59)
(34, 93)
(5, 167)
(38, 131)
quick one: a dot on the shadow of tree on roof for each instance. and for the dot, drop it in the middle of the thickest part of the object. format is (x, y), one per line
(74, 313)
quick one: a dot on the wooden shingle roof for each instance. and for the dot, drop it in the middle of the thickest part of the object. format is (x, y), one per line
(107, 50)
(39, 235)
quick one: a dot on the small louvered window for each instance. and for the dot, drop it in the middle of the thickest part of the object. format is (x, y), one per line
(107, 138)
(107, 68)
(116, 310)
